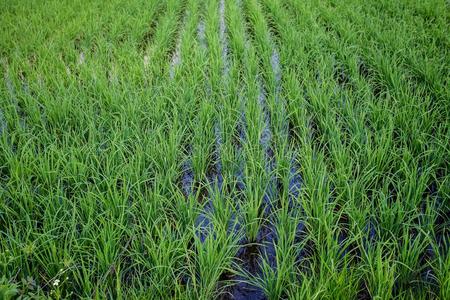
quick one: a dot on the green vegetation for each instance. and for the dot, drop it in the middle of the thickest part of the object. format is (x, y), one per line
(225, 149)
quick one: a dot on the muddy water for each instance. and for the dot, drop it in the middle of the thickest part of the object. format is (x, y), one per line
(203, 223)
(251, 255)
(2, 123)
(146, 61)
(187, 177)
(176, 57)
(295, 179)
(81, 59)
(223, 40)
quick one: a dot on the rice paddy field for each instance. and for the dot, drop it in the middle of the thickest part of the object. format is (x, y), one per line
(225, 149)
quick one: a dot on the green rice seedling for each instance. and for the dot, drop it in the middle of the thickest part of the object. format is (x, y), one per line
(312, 135)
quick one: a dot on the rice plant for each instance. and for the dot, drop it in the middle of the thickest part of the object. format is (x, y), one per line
(225, 149)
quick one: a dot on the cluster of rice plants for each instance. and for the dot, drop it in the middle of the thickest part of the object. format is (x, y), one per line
(225, 149)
